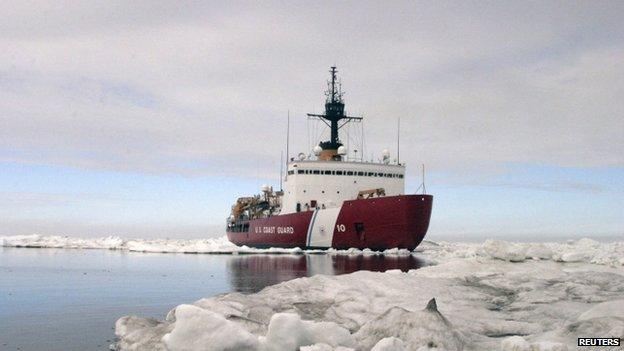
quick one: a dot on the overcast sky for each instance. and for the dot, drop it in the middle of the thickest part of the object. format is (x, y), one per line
(148, 118)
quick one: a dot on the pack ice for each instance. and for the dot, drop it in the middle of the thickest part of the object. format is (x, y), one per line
(491, 296)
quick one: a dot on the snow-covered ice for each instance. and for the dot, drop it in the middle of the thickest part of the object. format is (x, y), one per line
(583, 250)
(219, 245)
(490, 296)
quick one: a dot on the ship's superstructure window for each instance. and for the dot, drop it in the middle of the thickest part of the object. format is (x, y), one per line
(346, 173)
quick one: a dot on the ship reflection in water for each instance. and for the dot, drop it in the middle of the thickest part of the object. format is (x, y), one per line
(252, 273)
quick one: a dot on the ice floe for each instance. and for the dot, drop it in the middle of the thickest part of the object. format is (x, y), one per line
(219, 245)
(65, 242)
(481, 303)
(583, 250)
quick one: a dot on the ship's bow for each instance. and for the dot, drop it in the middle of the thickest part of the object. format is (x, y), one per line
(384, 222)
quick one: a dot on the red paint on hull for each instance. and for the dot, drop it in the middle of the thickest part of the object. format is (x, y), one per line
(258, 237)
(386, 222)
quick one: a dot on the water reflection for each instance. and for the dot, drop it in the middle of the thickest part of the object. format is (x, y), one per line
(252, 273)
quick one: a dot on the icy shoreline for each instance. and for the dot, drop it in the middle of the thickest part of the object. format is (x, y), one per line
(483, 304)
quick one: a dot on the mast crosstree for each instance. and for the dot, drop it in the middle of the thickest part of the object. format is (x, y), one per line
(334, 116)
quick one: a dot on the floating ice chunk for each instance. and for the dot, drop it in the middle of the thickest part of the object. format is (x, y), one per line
(515, 343)
(397, 251)
(389, 344)
(145, 332)
(505, 251)
(288, 332)
(199, 329)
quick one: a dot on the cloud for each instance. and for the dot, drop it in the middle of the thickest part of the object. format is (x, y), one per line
(198, 88)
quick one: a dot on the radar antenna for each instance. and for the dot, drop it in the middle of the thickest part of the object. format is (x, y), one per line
(334, 117)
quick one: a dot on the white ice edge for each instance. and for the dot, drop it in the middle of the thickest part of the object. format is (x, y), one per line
(583, 250)
(483, 304)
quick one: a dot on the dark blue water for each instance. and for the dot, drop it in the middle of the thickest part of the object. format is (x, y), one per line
(56, 299)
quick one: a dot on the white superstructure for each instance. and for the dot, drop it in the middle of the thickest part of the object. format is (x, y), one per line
(312, 184)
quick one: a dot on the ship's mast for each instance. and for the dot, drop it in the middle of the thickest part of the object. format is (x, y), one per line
(334, 114)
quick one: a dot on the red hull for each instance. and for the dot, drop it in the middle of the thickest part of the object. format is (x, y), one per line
(379, 223)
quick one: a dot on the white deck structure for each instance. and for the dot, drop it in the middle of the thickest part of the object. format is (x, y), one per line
(312, 184)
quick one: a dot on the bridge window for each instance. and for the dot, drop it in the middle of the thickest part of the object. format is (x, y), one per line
(360, 173)
(371, 174)
(316, 171)
(291, 172)
(300, 171)
(349, 172)
(327, 172)
(401, 176)
(338, 172)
